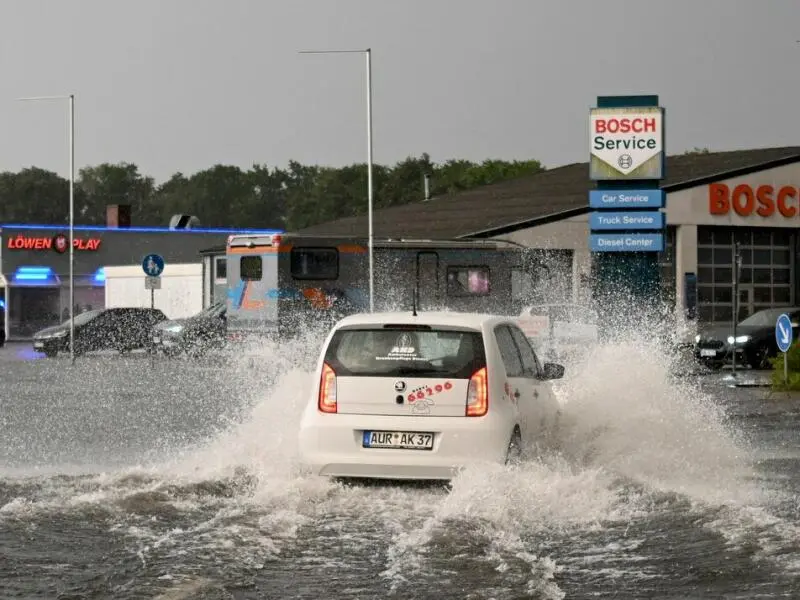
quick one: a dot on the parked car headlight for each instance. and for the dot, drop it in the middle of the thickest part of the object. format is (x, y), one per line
(697, 339)
(741, 339)
(174, 328)
(57, 334)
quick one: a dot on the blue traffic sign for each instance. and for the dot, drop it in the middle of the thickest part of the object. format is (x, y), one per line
(153, 265)
(624, 199)
(626, 242)
(626, 221)
(783, 332)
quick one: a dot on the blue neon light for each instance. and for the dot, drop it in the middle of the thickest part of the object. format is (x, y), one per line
(33, 274)
(2, 303)
(100, 275)
(141, 229)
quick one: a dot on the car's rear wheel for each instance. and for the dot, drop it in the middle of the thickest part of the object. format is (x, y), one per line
(514, 452)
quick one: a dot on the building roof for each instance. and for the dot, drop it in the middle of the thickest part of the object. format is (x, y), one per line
(547, 196)
(222, 230)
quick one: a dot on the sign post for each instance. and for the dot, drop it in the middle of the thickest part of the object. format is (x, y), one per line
(783, 336)
(737, 270)
(627, 226)
(153, 266)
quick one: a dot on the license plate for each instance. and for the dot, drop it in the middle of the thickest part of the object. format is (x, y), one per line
(708, 352)
(406, 440)
(38, 345)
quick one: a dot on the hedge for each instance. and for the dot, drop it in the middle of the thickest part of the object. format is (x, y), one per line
(793, 356)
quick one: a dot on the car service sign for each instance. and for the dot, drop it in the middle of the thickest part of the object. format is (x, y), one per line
(626, 143)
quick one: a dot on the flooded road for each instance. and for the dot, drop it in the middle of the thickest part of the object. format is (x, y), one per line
(131, 478)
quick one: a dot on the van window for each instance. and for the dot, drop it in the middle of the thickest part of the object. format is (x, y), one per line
(315, 263)
(220, 267)
(521, 285)
(379, 352)
(468, 281)
(250, 268)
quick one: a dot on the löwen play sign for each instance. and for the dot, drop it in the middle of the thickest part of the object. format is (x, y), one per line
(58, 243)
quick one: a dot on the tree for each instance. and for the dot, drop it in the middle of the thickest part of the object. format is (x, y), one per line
(227, 196)
(115, 184)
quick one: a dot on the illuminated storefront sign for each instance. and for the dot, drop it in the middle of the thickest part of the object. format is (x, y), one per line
(59, 243)
(747, 200)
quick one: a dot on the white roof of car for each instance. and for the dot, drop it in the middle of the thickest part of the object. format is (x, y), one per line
(451, 319)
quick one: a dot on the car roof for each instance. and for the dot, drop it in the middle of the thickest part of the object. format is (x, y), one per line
(475, 321)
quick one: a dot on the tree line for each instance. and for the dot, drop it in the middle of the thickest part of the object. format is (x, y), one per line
(227, 196)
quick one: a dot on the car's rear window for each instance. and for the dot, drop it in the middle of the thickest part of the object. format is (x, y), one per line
(380, 352)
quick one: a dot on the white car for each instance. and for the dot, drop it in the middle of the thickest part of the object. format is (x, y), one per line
(403, 396)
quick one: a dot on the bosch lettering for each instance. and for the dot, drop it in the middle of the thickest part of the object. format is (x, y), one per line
(745, 200)
(624, 125)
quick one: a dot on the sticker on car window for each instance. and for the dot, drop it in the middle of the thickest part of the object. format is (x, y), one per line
(402, 349)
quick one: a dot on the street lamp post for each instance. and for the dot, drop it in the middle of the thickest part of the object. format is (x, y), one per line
(71, 99)
(368, 53)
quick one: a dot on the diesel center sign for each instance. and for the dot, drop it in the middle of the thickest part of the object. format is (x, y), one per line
(626, 143)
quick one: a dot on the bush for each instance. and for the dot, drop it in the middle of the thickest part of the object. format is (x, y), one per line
(793, 357)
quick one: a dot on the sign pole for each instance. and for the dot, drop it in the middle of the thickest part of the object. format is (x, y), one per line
(72, 228)
(153, 267)
(737, 266)
(785, 369)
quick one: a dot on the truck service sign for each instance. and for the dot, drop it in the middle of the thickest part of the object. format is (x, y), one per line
(626, 143)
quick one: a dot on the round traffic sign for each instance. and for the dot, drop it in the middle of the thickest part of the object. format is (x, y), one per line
(153, 265)
(783, 332)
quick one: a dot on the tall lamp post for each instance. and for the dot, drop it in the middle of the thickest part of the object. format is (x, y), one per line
(71, 99)
(368, 53)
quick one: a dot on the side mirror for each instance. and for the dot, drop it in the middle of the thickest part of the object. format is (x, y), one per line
(552, 371)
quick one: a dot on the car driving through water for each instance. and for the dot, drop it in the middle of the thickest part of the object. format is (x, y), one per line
(419, 396)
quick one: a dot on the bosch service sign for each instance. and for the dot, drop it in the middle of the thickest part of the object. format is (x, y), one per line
(626, 143)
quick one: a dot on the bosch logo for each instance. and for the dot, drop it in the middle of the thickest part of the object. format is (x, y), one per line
(400, 386)
(625, 161)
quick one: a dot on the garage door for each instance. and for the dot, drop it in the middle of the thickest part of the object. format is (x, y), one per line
(766, 278)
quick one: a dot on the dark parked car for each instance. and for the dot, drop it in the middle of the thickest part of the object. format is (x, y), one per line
(204, 331)
(755, 340)
(121, 329)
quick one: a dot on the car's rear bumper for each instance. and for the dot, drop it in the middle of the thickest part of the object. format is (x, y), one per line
(331, 445)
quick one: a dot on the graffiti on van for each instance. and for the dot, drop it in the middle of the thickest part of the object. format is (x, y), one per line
(242, 297)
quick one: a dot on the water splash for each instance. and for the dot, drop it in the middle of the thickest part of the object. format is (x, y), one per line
(634, 442)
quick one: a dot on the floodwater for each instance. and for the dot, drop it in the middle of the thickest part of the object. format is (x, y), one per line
(123, 477)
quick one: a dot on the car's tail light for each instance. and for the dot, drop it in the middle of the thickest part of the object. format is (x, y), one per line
(327, 390)
(478, 394)
(276, 240)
